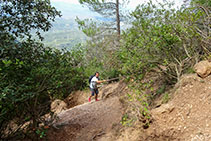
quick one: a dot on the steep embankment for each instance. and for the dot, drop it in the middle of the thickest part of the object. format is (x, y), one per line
(188, 115)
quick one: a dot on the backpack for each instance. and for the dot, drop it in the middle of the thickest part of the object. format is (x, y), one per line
(90, 78)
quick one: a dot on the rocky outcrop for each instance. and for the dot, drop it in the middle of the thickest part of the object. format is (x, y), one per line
(84, 122)
(203, 68)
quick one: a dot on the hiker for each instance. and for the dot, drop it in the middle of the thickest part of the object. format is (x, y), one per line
(94, 80)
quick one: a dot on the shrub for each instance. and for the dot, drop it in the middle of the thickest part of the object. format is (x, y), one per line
(161, 37)
(31, 76)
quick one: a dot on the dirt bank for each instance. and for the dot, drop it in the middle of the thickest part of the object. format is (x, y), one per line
(187, 116)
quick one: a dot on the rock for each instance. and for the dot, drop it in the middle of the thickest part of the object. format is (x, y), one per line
(203, 68)
(58, 105)
(165, 108)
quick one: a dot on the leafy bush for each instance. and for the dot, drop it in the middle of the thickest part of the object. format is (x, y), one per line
(31, 76)
(161, 37)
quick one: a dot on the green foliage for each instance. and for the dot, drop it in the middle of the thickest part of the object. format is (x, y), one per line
(164, 40)
(88, 26)
(20, 17)
(139, 101)
(146, 117)
(190, 70)
(41, 133)
(165, 98)
(102, 7)
(161, 90)
(108, 9)
(144, 110)
(33, 80)
(97, 65)
(32, 75)
(126, 121)
(111, 73)
(206, 3)
(203, 25)
(98, 55)
(160, 37)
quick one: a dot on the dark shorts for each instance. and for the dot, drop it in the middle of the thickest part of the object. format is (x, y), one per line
(94, 91)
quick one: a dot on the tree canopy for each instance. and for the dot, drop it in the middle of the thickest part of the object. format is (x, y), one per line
(108, 9)
(20, 17)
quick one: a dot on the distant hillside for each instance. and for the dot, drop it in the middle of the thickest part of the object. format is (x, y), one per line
(63, 34)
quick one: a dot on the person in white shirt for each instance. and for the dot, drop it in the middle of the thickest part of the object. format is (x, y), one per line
(93, 86)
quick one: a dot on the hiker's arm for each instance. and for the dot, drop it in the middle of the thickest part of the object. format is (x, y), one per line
(101, 81)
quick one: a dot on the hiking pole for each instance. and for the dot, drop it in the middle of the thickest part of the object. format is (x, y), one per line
(112, 79)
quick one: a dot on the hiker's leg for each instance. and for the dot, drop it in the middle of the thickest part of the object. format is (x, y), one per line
(96, 94)
(92, 94)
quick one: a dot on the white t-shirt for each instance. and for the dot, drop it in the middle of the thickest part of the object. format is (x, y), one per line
(93, 83)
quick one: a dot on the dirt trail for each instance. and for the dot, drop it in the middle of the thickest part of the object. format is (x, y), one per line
(88, 121)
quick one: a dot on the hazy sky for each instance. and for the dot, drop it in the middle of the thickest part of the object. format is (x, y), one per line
(72, 8)
(132, 3)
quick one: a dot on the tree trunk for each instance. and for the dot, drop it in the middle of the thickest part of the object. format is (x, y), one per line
(117, 18)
